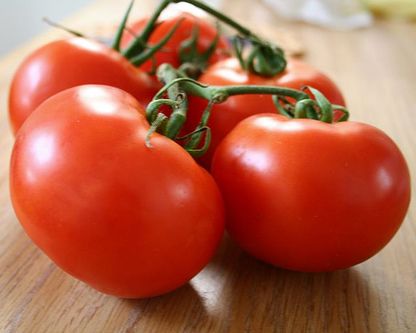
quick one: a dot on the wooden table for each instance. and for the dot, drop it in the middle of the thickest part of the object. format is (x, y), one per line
(376, 69)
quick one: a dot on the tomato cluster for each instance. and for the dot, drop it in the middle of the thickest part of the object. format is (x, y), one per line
(107, 186)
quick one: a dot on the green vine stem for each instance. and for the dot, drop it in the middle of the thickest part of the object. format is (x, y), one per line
(166, 74)
(265, 58)
(150, 51)
(160, 119)
(138, 51)
(120, 31)
(60, 26)
(193, 61)
(138, 44)
(178, 87)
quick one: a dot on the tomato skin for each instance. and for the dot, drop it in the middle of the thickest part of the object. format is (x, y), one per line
(299, 74)
(67, 63)
(310, 196)
(170, 53)
(129, 220)
(226, 115)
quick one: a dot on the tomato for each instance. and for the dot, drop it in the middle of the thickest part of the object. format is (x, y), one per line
(226, 115)
(129, 220)
(170, 52)
(299, 74)
(311, 196)
(67, 63)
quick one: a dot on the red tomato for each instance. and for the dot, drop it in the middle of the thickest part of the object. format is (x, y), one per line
(226, 115)
(129, 220)
(64, 64)
(170, 52)
(311, 196)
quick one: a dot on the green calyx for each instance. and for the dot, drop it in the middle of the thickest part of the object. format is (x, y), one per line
(318, 108)
(193, 61)
(139, 51)
(263, 58)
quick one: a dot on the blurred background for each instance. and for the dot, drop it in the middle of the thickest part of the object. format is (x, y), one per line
(22, 19)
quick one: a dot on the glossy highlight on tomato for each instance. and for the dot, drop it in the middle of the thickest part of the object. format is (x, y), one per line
(67, 63)
(310, 196)
(225, 116)
(129, 220)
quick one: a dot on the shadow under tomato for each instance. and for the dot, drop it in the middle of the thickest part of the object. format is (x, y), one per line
(191, 308)
(167, 313)
(260, 297)
(239, 292)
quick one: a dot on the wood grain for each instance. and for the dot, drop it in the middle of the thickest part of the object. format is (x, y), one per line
(376, 69)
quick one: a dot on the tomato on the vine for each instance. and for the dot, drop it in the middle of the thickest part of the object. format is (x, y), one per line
(226, 115)
(171, 51)
(310, 196)
(67, 63)
(127, 218)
